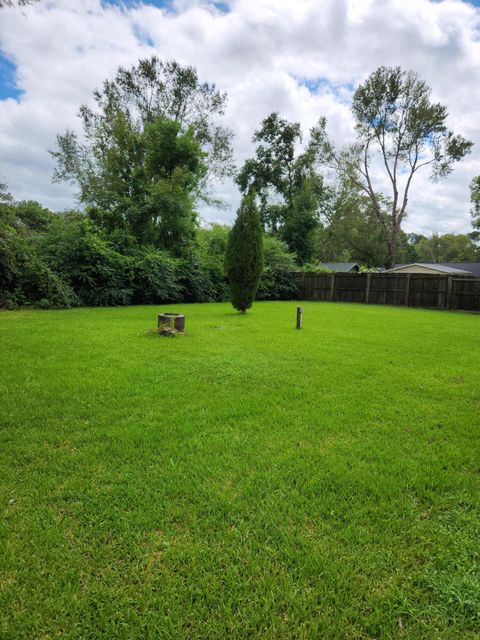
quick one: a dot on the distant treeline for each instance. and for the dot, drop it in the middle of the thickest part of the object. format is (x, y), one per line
(64, 259)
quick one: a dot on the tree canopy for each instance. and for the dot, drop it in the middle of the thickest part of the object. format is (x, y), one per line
(475, 199)
(149, 147)
(400, 129)
(288, 184)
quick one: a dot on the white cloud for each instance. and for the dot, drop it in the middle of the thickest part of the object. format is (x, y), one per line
(264, 53)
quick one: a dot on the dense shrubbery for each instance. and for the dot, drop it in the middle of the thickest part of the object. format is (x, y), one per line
(63, 260)
(278, 280)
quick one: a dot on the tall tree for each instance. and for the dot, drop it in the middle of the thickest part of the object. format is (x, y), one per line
(289, 188)
(349, 231)
(146, 121)
(140, 181)
(244, 255)
(401, 130)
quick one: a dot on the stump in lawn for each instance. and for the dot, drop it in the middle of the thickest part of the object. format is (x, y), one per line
(171, 323)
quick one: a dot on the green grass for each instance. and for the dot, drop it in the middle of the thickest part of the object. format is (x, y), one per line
(246, 480)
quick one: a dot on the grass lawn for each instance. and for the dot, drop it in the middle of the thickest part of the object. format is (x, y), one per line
(246, 480)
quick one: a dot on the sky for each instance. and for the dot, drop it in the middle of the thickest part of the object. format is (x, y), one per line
(302, 58)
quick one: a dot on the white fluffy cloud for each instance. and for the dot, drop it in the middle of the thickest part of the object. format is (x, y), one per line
(264, 53)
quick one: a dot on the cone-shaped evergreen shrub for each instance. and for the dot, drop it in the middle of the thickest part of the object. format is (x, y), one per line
(244, 256)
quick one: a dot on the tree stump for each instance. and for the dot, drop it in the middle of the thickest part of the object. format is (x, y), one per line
(171, 323)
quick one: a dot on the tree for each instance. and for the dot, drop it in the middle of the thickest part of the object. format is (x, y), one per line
(138, 180)
(349, 232)
(289, 188)
(475, 199)
(400, 129)
(5, 196)
(244, 256)
(18, 3)
(153, 121)
(449, 247)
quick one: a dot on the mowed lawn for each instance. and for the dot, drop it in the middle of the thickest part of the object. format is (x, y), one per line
(246, 480)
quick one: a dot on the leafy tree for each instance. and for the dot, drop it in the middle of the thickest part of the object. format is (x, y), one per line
(475, 199)
(447, 248)
(289, 188)
(150, 147)
(244, 257)
(5, 195)
(278, 280)
(25, 278)
(139, 181)
(349, 232)
(400, 129)
(212, 246)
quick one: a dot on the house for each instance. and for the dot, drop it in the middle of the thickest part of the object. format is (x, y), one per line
(340, 267)
(441, 268)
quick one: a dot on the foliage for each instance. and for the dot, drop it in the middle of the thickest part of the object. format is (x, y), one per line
(446, 248)
(97, 273)
(139, 181)
(154, 277)
(350, 232)
(198, 283)
(400, 128)
(475, 199)
(212, 246)
(289, 187)
(278, 280)
(24, 278)
(244, 257)
(155, 121)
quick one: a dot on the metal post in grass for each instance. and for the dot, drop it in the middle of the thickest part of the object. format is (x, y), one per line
(299, 317)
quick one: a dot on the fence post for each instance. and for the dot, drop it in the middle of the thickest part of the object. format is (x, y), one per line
(448, 301)
(332, 285)
(407, 290)
(367, 290)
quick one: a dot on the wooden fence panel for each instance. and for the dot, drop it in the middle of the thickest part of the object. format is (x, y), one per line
(315, 286)
(466, 294)
(428, 291)
(388, 288)
(349, 287)
(409, 289)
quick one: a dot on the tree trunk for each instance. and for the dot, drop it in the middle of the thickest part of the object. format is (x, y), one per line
(392, 249)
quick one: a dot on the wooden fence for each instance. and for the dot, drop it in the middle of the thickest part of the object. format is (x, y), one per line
(407, 289)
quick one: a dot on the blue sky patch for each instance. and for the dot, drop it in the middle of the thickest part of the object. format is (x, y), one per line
(161, 4)
(322, 85)
(8, 87)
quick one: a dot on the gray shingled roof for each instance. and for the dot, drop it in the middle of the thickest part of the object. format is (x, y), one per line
(458, 268)
(343, 267)
(471, 267)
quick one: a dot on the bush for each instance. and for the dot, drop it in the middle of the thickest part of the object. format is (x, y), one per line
(278, 280)
(198, 283)
(155, 278)
(24, 278)
(98, 274)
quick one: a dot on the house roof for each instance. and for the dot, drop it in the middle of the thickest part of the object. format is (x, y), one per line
(441, 267)
(340, 266)
(471, 267)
